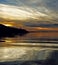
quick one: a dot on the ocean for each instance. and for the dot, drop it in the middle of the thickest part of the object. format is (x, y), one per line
(34, 47)
(33, 37)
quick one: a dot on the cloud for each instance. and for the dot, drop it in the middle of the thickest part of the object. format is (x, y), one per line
(52, 4)
(20, 13)
(29, 9)
(29, 24)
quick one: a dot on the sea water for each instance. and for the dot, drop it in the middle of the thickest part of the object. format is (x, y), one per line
(30, 47)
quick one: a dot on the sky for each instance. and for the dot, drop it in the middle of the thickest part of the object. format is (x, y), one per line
(22, 12)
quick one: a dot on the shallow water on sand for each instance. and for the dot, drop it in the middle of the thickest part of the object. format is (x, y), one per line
(30, 47)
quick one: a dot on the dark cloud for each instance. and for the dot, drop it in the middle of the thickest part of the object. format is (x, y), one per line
(51, 4)
(40, 25)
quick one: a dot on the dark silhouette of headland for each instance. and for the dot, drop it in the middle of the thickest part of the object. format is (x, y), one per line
(6, 31)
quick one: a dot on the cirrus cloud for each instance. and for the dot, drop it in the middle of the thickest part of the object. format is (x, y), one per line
(29, 9)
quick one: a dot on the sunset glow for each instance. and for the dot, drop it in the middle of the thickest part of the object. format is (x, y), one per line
(28, 32)
(8, 25)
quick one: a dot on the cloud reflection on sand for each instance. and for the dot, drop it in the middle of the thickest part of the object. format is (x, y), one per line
(22, 53)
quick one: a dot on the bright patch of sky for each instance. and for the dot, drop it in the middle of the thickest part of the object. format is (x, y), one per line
(32, 8)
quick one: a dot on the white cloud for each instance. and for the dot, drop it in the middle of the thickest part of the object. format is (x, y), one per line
(25, 9)
(20, 13)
